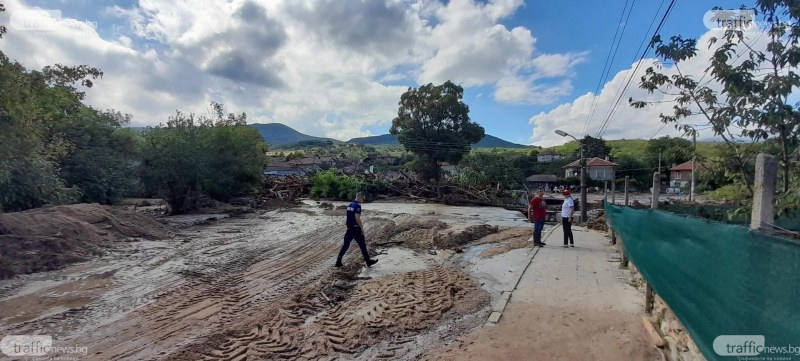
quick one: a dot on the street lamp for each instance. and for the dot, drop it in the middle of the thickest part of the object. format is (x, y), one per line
(583, 174)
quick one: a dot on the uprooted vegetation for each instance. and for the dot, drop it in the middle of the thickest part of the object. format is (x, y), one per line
(49, 238)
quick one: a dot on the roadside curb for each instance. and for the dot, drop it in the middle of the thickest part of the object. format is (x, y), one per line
(500, 305)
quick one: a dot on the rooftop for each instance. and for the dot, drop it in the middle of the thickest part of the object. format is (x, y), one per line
(592, 162)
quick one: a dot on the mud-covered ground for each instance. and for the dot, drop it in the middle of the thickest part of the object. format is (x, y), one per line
(263, 286)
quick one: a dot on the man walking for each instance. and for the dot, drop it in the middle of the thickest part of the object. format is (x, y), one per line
(567, 209)
(355, 230)
(537, 212)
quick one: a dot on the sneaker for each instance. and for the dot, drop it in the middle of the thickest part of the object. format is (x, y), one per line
(572, 245)
(339, 264)
(371, 262)
(565, 246)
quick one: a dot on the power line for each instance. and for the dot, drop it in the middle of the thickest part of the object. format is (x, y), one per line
(635, 69)
(612, 54)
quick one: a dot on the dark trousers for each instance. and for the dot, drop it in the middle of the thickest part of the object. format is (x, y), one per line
(538, 226)
(358, 235)
(567, 230)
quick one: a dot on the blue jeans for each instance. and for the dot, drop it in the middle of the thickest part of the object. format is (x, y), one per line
(538, 226)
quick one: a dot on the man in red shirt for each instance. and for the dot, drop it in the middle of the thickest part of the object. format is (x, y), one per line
(537, 212)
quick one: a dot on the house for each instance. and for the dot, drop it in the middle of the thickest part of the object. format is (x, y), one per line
(450, 169)
(382, 159)
(282, 169)
(541, 181)
(313, 164)
(681, 174)
(596, 169)
(548, 156)
(388, 160)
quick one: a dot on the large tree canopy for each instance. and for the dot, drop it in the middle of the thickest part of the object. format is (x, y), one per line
(433, 122)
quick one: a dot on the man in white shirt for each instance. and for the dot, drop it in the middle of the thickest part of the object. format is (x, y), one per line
(567, 209)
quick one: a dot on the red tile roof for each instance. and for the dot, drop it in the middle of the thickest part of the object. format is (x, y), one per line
(592, 162)
(686, 166)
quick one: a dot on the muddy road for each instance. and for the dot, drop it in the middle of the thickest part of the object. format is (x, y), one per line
(263, 286)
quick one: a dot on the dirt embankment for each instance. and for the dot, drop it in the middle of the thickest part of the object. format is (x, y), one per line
(49, 238)
(431, 234)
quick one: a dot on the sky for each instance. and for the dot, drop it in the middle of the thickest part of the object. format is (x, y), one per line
(337, 68)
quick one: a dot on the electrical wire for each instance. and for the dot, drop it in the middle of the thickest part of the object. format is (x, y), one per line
(612, 54)
(621, 93)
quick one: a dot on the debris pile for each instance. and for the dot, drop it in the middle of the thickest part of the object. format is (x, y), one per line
(598, 223)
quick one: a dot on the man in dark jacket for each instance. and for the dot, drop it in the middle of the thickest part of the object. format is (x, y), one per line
(355, 230)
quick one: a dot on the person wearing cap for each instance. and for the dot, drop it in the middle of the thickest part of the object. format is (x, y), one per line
(537, 212)
(355, 230)
(567, 209)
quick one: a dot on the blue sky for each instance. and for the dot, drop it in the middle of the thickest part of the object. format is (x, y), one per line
(337, 68)
(559, 29)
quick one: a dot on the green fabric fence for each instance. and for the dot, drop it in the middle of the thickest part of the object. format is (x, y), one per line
(719, 279)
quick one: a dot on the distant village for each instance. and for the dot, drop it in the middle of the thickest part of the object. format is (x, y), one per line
(390, 167)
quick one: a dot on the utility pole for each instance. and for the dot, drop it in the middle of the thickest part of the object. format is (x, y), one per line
(583, 202)
(694, 164)
(659, 162)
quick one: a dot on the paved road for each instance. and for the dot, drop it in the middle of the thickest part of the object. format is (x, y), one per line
(570, 304)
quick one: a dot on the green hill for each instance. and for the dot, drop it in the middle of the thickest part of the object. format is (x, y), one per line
(277, 134)
(488, 141)
(634, 148)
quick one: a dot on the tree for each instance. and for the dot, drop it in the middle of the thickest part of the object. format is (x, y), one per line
(53, 148)
(488, 169)
(594, 147)
(671, 151)
(197, 155)
(433, 122)
(754, 98)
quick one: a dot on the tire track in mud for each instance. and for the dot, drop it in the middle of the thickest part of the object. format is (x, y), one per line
(223, 283)
(393, 309)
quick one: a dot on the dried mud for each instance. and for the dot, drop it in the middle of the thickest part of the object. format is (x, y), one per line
(252, 287)
(49, 238)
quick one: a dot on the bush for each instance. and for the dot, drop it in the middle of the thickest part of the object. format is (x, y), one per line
(731, 192)
(328, 184)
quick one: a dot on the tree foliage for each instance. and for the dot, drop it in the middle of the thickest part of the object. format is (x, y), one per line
(329, 184)
(433, 122)
(192, 156)
(671, 151)
(594, 147)
(489, 169)
(54, 148)
(754, 98)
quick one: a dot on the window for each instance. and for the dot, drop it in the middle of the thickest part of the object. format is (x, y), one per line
(677, 175)
(600, 174)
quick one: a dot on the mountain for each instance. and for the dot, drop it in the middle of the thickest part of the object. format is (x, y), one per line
(385, 139)
(277, 134)
(488, 141)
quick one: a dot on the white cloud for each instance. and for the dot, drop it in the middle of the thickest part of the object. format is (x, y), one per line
(319, 66)
(626, 122)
